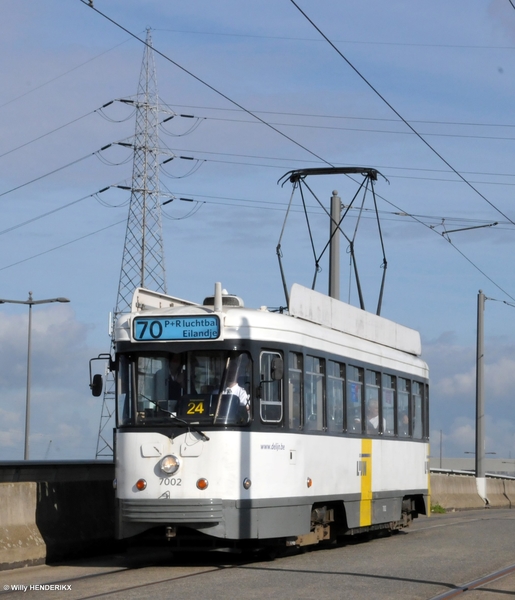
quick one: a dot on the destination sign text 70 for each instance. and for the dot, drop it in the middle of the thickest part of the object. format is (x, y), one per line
(176, 328)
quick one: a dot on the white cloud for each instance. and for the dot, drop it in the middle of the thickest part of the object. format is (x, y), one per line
(453, 394)
(462, 435)
(499, 379)
(62, 409)
(459, 437)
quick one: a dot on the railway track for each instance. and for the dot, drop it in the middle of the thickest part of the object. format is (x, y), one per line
(479, 585)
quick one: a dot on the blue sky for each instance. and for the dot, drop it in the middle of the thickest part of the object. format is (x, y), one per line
(447, 68)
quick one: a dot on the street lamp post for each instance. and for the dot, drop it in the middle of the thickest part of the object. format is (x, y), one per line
(30, 302)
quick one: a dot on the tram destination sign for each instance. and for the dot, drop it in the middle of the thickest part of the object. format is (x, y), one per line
(176, 328)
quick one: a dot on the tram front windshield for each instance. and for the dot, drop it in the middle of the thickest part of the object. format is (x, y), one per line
(206, 387)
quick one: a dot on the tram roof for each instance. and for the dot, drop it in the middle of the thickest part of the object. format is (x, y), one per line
(318, 308)
(305, 305)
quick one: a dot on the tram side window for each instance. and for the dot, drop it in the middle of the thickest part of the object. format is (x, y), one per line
(271, 399)
(374, 423)
(335, 399)
(295, 390)
(388, 404)
(403, 407)
(314, 393)
(426, 411)
(416, 410)
(354, 398)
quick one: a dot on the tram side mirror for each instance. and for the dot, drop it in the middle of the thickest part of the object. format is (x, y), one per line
(277, 368)
(96, 385)
(96, 382)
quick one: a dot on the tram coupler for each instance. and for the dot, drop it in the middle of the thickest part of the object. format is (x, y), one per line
(319, 534)
(170, 532)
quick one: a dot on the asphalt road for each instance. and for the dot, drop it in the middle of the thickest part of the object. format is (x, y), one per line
(434, 556)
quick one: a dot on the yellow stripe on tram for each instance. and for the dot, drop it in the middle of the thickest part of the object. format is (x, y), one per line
(365, 505)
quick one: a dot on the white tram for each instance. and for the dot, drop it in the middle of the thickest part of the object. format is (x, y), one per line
(245, 425)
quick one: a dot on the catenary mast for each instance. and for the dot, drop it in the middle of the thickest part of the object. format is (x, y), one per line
(143, 256)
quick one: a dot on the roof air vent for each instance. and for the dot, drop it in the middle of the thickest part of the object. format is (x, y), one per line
(227, 300)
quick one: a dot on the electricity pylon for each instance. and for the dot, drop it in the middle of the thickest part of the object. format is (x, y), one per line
(143, 256)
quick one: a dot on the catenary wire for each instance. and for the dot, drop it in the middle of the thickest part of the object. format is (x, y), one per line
(390, 106)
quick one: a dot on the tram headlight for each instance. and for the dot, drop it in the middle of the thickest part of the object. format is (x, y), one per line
(170, 464)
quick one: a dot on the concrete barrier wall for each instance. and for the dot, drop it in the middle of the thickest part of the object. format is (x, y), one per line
(66, 511)
(49, 521)
(455, 492)
(20, 540)
(496, 493)
(509, 490)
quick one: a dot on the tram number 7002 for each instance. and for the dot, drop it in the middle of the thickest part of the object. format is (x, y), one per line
(170, 481)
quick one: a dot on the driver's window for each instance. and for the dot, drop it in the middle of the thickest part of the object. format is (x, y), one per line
(151, 375)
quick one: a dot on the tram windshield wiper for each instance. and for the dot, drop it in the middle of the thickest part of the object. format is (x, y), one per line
(176, 418)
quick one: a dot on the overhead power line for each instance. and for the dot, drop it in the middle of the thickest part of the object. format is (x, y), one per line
(354, 118)
(420, 137)
(62, 75)
(400, 213)
(73, 162)
(208, 85)
(359, 42)
(46, 134)
(199, 161)
(289, 159)
(381, 131)
(255, 116)
(19, 262)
